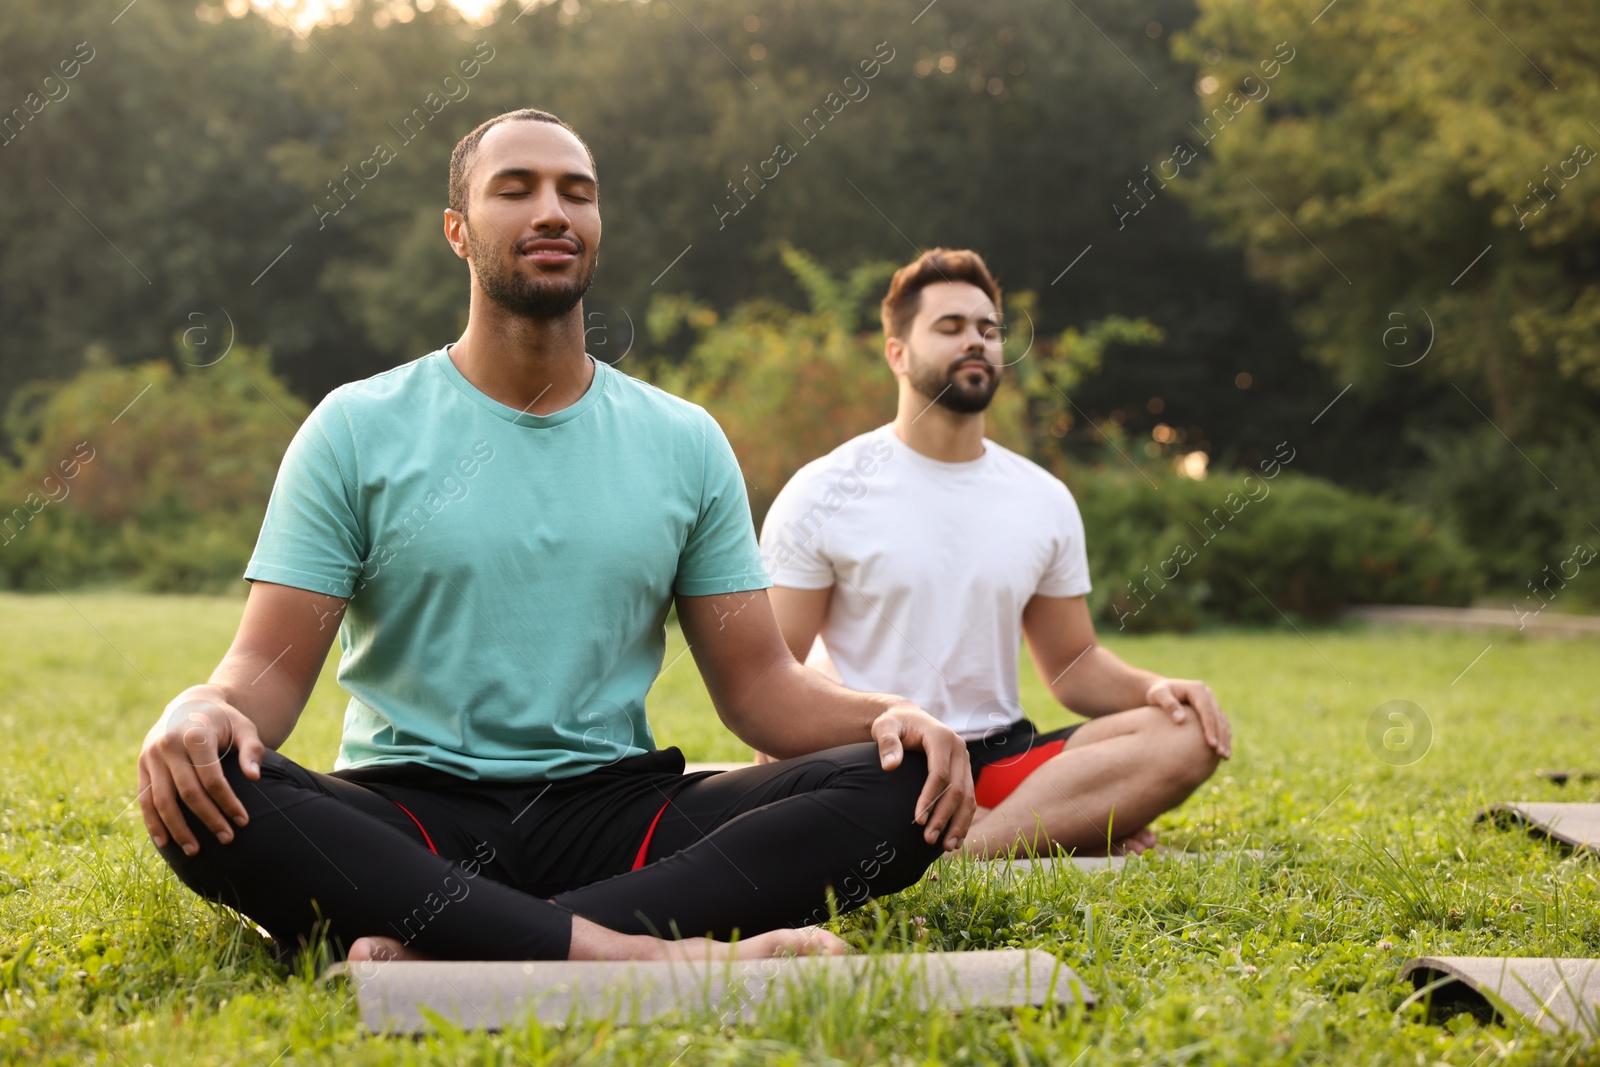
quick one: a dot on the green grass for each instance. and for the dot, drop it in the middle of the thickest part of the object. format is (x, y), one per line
(105, 958)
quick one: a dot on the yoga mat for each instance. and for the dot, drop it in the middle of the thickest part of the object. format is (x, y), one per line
(1553, 994)
(1577, 825)
(491, 995)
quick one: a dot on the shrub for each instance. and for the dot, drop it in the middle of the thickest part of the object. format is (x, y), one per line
(786, 386)
(149, 475)
(1243, 548)
(1495, 498)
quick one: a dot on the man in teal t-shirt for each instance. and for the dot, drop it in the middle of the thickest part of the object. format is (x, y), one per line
(497, 531)
(512, 569)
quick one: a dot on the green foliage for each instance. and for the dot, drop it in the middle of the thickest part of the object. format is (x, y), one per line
(1423, 180)
(154, 474)
(789, 386)
(107, 958)
(1522, 510)
(786, 386)
(1033, 413)
(148, 195)
(1404, 140)
(1243, 548)
(205, 146)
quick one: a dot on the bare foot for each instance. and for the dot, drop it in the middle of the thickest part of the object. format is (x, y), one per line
(590, 941)
(1141, 840)
(381, 950)
(805, 941)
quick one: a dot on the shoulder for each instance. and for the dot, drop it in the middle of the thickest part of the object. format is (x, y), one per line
(862, 455)
(379, 394)
(1024, 475)
(653, 406)
(417, 374)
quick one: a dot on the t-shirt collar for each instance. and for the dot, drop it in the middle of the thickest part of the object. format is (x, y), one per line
(937, 466)
(591, 396)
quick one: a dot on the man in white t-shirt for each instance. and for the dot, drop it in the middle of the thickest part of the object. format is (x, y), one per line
(915, 558)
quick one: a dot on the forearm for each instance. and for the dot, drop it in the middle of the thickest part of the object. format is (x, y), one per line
(1099, 683)
(267, 697)
(791, 710)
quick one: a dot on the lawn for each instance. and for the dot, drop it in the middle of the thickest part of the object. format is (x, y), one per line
(105, 958)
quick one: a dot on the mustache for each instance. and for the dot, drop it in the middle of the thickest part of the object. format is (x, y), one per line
(974, 360)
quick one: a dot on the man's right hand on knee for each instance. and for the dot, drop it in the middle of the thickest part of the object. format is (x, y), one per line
(182, 761)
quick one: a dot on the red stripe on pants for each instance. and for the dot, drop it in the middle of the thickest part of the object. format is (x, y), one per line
(1000, 779)
(638, 861)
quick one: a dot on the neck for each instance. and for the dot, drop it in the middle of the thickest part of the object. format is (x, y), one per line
(936, 431)
(534, 365)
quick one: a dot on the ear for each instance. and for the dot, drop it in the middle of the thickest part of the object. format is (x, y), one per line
(455, 231)
(894, 353)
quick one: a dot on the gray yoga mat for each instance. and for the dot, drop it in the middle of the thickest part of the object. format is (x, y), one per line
(492, 995)
(1553, 994)
(1577, 825)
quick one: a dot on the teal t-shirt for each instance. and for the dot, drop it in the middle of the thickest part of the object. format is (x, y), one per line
(508, 574)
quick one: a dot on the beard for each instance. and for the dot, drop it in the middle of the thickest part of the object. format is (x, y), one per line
(529, 298)
(944, 387)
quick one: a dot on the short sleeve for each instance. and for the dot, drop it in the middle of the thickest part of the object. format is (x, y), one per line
(1068, 572)
(312, 536)
(790, 546)
(720, 554)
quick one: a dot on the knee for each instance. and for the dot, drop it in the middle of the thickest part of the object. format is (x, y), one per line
(859, 766)
(1191, 759)
(275, 770)
(1176, 753)
(889, 796)
(900, 789)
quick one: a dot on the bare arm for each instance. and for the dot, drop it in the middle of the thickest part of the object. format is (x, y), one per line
(1093, 681)
(251, 703)
(800, 613)
(772, 703)
(1084, 676)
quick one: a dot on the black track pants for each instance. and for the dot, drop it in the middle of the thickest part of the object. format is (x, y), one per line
(462, 869)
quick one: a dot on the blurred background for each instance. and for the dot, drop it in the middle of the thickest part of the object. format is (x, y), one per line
(1354, 244)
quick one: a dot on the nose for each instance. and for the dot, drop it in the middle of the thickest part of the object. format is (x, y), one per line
(548, 213)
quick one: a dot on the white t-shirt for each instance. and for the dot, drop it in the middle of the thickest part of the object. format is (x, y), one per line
(932, 564)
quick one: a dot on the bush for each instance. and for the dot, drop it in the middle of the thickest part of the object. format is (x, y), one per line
(786, 386)
(1496, 499)
(1242, 548)
(149, 475)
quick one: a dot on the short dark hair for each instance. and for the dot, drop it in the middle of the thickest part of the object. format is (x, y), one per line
(935, 265)
(467, 147)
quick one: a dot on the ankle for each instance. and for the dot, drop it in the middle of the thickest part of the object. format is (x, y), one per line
(591, 941)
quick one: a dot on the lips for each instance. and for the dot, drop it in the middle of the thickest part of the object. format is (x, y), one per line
(549, 251)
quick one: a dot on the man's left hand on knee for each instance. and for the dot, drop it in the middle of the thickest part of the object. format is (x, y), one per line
(947, 803)
(1182, 697)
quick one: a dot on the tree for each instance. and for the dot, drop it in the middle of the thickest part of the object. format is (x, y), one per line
(141, 201)
(1420, 178)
